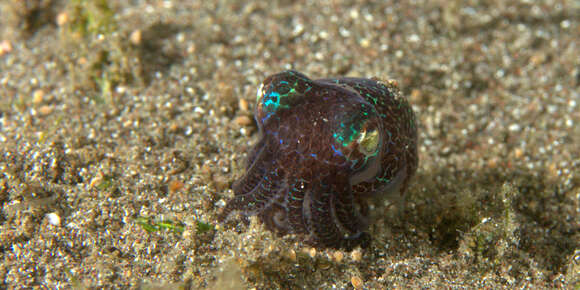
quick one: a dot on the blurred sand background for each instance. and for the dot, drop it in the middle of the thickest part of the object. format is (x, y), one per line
(124, 123)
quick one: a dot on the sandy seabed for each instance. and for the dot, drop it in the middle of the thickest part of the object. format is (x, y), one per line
(124, 123)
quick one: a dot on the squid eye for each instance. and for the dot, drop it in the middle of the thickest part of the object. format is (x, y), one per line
(369, 142)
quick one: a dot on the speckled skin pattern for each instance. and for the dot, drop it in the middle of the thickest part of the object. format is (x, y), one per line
(327, 148)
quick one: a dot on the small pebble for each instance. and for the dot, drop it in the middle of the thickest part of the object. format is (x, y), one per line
(365, 42)
(199, 110)
(538, 58)
(136, 37)
(62, 19)
(5, 47)
(243, 120)
(356, 255)
(175, 186)
(514, 127)
(553, 169)
(243, 105)
(312, 252)
(356, 282)
(96, 180)
(309, 251)
(492, 163)
(82, 60)
(38, 96)
(292, 255)
(518, 152)
(53, 219)
(415, 96)
(191, 49)
(127, 123)
(45, 110)
(174, 128)
(338, 256)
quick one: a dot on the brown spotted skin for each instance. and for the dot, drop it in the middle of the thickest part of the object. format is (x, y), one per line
(327, 147)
